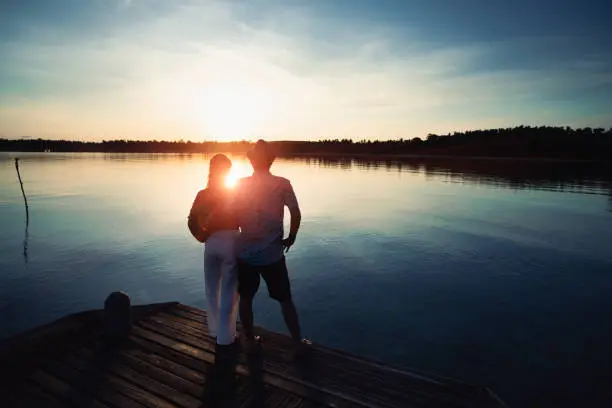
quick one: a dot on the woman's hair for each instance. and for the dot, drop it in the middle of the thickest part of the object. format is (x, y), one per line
(220, 165)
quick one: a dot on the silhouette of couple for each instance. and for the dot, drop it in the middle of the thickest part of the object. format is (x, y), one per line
(242, 229)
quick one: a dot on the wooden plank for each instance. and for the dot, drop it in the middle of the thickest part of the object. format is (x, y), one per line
(194, 370)
(24, 352)
(242, 399)
(125, 380)
(276, 399)
(362, 377)
(150, 378)
(343, 381)
(172, 351)
(279, 399)
(203, 339)
(64, 391)
(405, 376)
(191, 309)
(256, 390)
(492, 400)
(369, 368)
(174, 330)
(196, 315)
(344, 372)
(190, 356)
(200, 320)
(179, 311)
(241, 394)
(374, 388)
(192, 346)
(197, 321)
(94, 384)
(182, 325)
(12, 399)
(138, 394)
(190, 323)
(27, 395)
(157, 343)
(165, 337)
(185, 331)
(190, 351)
(382, 370)
(356, 374)
(179, 375)
(180, 307)
(186, 320)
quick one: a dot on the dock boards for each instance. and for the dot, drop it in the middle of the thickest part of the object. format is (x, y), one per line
(168, 360)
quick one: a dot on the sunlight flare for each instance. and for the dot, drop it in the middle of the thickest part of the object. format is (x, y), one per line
(232, 111)
(238, 171)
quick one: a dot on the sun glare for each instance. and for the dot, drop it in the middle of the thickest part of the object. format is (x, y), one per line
(232, 111)
(238, 171)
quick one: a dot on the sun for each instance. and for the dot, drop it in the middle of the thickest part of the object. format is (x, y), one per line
(238, 171)
(232, 111)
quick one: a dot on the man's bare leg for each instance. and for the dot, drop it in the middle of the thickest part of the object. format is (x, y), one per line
(291, 319)
(293, 324)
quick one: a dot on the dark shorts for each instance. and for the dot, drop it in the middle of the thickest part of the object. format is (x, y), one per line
(275, 275)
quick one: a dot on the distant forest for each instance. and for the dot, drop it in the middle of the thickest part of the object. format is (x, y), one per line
(520, 142)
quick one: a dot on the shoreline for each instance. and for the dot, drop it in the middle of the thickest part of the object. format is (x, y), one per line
(347, 156)
(404, 156)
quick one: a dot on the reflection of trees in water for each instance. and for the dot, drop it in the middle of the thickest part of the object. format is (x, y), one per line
(519, 174)
(343, 163)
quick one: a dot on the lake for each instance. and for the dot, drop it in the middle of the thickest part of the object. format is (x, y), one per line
(495, 272)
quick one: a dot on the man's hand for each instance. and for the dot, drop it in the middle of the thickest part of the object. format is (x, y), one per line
(288, 242)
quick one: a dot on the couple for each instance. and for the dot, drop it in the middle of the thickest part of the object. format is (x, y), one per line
(243, 235)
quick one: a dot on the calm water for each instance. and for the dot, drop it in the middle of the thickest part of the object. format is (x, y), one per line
(497, 273)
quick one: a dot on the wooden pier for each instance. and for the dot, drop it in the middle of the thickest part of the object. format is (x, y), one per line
(168, 361)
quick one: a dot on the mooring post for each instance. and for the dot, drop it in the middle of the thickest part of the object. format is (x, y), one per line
(118, 317)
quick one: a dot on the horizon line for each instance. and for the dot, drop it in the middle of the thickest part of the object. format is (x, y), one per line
(309, 140)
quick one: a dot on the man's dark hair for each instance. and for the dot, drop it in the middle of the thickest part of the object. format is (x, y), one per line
(261, 155)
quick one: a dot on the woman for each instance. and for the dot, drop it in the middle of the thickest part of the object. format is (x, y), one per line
(212, 222)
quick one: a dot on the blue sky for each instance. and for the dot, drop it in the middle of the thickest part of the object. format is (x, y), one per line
(141, 69)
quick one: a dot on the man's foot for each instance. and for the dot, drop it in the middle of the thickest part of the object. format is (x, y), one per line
(301, 348)
(249, 344)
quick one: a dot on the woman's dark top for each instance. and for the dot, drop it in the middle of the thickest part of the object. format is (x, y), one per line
(211, 212)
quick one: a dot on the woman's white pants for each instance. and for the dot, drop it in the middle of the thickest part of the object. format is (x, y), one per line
(221, 281)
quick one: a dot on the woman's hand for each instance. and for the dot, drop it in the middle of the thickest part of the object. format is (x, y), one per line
(199, 233)
(202, 235)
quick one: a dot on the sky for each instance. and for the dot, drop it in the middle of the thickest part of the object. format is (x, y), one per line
(288, 69)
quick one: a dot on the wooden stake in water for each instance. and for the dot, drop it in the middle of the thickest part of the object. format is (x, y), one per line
(25, 199)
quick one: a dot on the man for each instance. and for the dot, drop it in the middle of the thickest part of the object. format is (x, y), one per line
(260, 203)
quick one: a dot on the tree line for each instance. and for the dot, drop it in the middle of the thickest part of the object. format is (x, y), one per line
(522, 141)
